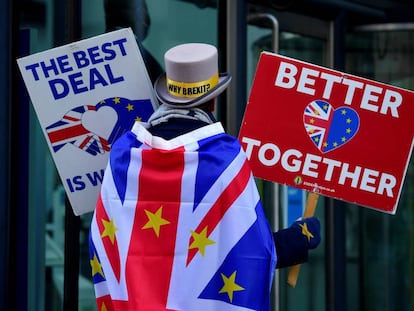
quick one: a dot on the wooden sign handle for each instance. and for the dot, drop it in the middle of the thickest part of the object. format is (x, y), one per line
(309, 212)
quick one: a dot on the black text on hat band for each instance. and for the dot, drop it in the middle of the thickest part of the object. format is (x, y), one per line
(191, 90)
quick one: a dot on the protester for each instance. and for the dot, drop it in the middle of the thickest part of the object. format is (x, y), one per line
(179, 223)
(291, 244)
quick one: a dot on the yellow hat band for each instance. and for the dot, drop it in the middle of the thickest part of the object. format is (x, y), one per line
(194, 89)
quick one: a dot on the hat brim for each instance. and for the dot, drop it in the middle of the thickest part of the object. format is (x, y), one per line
(160, 87)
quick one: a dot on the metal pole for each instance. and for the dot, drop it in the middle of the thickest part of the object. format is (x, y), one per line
(236, 63)
(14, 158)
(335, 210)
(268, 20)
(71, 274)
(222, 47)
(72, 222)
(271, 189)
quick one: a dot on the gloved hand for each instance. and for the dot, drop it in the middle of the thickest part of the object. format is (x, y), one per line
(310, 229)
(293, 243)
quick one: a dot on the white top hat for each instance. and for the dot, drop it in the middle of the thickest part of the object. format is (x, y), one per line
(191, 77)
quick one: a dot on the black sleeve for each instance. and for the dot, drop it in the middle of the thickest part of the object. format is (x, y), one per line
(291, 247)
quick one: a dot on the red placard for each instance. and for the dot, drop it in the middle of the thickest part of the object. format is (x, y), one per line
(326, 131)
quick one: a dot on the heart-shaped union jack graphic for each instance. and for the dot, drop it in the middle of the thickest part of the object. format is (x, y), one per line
(330, 128)
(94, 128)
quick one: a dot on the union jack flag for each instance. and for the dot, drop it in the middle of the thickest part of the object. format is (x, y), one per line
(179, 225)
(329, 128)
(70, 129)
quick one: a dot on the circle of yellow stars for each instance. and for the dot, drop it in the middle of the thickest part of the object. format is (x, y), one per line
(334, 144)
(129, 107)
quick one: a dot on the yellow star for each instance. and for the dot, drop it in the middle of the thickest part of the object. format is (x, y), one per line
(230, 285)
(130, 107)
(96, 266)
(305, 231)
(200, 240)
(103, 307)
(117, 100)
(343, 111)
(155, 221)
(109, 230)
(138, 119)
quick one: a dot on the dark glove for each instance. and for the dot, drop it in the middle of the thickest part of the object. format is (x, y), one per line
(310, 229)
(293, 243)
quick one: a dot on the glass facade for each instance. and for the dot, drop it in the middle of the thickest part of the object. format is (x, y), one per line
(383, 245)
(378, 261)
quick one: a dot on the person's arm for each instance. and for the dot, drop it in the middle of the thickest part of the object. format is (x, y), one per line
(293, 243)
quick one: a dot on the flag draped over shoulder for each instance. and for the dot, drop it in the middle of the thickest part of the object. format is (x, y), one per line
(179, 226)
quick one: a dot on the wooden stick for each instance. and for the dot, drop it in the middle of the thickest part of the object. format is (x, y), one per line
(309, 212)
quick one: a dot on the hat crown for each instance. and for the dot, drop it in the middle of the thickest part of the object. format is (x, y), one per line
(191, 62)
(191, 76)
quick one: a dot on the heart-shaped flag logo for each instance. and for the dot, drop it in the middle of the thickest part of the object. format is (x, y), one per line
(94, 128)
(330, 128)
(101, 121)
